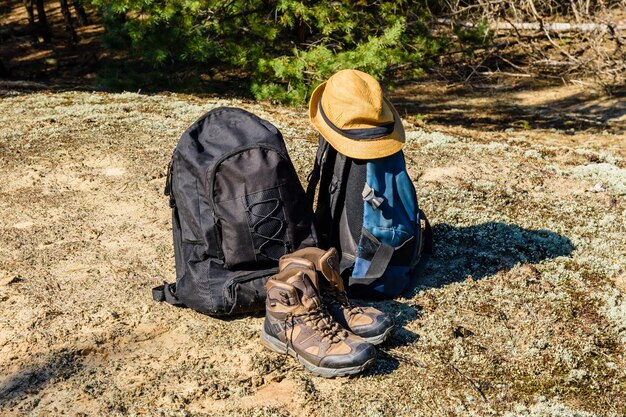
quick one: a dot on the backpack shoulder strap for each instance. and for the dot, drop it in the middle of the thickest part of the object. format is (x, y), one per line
(350, 210)
(328, 172)
(337, 181)
(168, 181)
(315, 175)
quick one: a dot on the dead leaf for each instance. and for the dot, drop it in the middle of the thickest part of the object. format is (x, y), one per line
(8, 279)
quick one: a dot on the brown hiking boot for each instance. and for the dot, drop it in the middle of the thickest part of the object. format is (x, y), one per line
(296, 322)
(372, 325)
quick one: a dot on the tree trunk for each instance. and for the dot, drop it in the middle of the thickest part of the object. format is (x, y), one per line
(31, 14)
(4, 71)
(69, 25)
(302, 31)
(83, 19)
(42, 22)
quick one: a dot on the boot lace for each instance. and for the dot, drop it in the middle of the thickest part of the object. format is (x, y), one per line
(324, 323)
(320, 320)
(336, 297)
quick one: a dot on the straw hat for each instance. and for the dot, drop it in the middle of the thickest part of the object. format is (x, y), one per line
(351, 113)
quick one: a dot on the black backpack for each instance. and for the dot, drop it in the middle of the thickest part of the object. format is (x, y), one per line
(368, 210)
(237, 207)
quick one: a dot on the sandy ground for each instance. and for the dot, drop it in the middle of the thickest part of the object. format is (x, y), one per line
(520, 312)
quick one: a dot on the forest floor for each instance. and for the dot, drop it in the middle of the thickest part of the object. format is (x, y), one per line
(521, 311)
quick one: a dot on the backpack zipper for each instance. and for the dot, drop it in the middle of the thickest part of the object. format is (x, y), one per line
(250, 277)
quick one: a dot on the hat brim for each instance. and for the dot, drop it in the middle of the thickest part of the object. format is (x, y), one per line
(357, 149)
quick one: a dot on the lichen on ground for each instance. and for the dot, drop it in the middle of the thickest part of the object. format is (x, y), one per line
(520, 311)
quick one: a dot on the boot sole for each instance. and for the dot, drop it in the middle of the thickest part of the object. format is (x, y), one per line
(377, 340)
(276, 345)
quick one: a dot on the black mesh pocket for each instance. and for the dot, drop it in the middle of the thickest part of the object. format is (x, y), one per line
(268, 227)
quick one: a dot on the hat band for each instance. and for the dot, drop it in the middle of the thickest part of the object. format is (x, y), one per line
(376, 132)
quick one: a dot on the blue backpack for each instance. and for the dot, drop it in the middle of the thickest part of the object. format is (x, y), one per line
(368, 210)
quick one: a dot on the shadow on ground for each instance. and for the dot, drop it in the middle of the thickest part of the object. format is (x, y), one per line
(58, 366)
(482, 250)
(549, 107)
(26, 58)
(27, 64)
(388, 361)
(478, 251)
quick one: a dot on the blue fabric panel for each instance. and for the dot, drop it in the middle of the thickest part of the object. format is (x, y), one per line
(392, 284)
(394, 221)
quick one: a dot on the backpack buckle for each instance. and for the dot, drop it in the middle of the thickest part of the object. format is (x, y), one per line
(333, 186)
(370, 196)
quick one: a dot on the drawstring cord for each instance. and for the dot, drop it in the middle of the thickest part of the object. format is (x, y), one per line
(267, 218)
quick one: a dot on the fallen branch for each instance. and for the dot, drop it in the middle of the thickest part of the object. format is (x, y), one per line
(507, 74)
(536, 26)
(471, 382)
(559, 48)
(557, 27)
(553, 63)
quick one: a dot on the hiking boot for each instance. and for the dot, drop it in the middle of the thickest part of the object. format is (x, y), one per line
(371, 324)
(296, 322)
